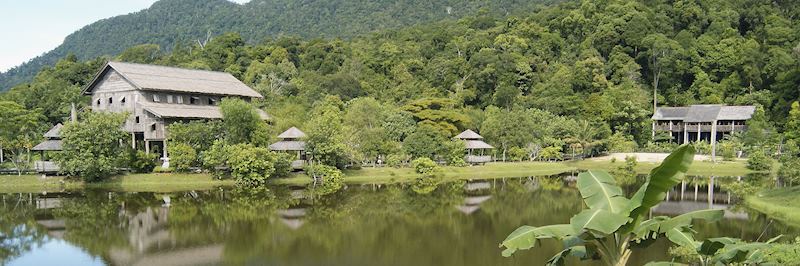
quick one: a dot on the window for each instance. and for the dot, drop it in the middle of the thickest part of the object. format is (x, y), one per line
(122, 101)
(211, 101)
(98, 102)
(169, 98)
(180, 99)
(110, 100)
(194, 100)
(156, 98)
(137, 119)
(153, 127)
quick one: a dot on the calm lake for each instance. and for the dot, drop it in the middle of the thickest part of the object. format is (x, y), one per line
(458, 223)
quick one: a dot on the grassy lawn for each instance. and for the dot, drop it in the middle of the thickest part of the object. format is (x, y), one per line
(179, 182)
(734, 168)
(135, 182)
(782, 204)
(488, 171)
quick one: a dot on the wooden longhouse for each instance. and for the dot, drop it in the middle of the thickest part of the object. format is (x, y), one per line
(475, 147)
(156, 96)
(291, 141)
(706, 122)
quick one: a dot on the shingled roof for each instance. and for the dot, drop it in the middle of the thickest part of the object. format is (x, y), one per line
(48, 145)
(704, 113)
(468, 134)
(54, 132)
(189, 111)
(292, 133)
(163, 78)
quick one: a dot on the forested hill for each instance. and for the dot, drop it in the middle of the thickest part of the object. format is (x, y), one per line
(168, 22)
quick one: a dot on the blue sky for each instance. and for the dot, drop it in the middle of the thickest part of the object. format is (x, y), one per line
(32, 27)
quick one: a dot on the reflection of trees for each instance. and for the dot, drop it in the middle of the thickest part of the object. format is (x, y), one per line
(18, 228)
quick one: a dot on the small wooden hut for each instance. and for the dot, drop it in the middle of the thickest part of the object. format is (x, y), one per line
(475, 146)
(51, 143)
(291, 142)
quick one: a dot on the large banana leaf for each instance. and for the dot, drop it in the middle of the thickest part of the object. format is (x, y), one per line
(526, 237)
(661, 179)
(559, 259)
(682, 236)
(599, 222)
(600, 191)
(686, 218)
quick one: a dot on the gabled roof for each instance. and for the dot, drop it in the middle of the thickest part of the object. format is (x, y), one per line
(468, 134)
(670, 113)
(48, 145)
(477, 144)
(292, 133)
(163, 78)
(163, 110)
(736, 112)
(704, 113)
(54, 132)
(288, 145)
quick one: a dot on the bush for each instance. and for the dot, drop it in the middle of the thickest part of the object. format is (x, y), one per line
(248, 164)
(424, 165)
(159, 169)
(517, 154)
(550, 153)
(91, 147)
(702, 147)
(620, 143)
(660, 147)
(397, 160)
(626, 174)
(330, 178)
(454, 152)
(727, 149)
(181, 156)
(759, 161)
(140, 161)
(790, 170)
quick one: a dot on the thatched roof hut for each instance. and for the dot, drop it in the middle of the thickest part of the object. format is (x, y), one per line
(290, 140)
(473, 141)
(52, 140)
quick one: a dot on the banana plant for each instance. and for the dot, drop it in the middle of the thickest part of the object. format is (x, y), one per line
(612, 224)
(727, 251)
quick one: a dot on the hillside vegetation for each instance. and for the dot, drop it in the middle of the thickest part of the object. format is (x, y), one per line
(574, 78)
(171, 22)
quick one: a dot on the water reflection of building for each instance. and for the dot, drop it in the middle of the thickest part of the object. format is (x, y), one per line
(476, 193)
(149, 235)
(698, 194)
(294, 216)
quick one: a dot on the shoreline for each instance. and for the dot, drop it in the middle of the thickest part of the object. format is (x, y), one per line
(170, 182)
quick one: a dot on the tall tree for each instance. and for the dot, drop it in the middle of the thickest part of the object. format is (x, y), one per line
(20, 130)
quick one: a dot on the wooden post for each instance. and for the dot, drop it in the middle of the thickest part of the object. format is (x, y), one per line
(133, 140)
(165, 148)
(2, 157)
(699, 128)
(714, 141)
(685, 133)
(654, 130)
(147, 146)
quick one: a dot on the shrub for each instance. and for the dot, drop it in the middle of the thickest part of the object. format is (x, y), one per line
(397, 160)
(159, 169)
(248, 164)
(140, 161)
(91, 147)
(330, 178)
(517, 154)
(727, 149)
(454, 152)
(550, 153)
(759, 161)
(424, 165)
(626, 174)
(620, 143)
(181, 156)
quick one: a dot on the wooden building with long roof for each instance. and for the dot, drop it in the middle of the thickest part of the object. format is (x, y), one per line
(475, 146)
(157, 96)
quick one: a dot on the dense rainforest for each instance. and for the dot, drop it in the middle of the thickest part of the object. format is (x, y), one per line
(578, 75)
(169, 22)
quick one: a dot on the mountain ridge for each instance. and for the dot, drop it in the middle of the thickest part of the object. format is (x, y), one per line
(170, 22)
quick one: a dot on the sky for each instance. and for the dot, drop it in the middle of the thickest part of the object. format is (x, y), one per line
(29, 28)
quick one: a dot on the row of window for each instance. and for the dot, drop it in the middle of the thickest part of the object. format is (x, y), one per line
(179, 99)
(194, 100)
